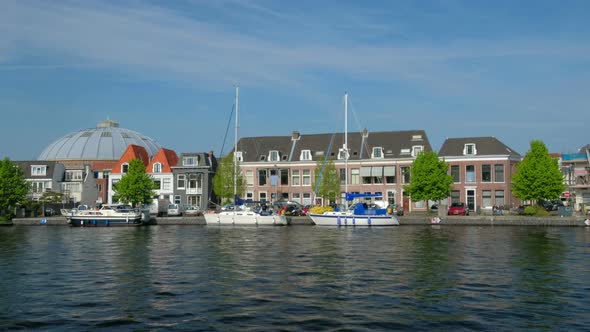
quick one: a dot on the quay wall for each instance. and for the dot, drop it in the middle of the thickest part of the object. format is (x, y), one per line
(553, 221)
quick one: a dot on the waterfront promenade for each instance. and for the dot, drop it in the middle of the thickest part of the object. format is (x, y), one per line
(418, 219)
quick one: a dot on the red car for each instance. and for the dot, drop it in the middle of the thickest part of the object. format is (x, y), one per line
(458, 209)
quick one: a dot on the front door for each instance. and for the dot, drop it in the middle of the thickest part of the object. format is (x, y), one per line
(471, 199)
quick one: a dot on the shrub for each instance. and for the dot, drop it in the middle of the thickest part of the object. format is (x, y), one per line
(541, 212)
(320, 209)
(530, 211)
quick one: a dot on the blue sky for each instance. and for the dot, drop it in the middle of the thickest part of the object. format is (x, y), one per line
(516, 70)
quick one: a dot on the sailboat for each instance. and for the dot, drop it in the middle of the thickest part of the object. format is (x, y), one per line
(359, 213)
(247, 216)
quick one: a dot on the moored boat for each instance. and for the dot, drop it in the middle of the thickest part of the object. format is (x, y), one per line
(357, 214)
(107, 215)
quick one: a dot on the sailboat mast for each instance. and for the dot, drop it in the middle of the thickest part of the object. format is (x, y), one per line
(236, 150)
(345, 149)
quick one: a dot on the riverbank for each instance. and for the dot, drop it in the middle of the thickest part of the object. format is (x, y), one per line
(553, 221)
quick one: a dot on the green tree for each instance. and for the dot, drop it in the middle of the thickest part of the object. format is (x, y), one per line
(537, 177)
(429, 179)
(135, 187)
(13, 186)
(326, 183)
(223, 181)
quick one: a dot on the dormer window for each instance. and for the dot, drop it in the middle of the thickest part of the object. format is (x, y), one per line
(377, 153)
(416, 150)
(190, 161)
(469, 149)
(405, 152)
(416, 137)
(239, 156)
(305, 155)
(273, 155)
(38, 170)
(157, 168)
(124, 168)
(343, 154)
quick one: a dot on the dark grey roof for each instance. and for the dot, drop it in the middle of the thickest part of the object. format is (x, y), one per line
(202, 156)
(392, 143)
(26, 168)
(453, 147)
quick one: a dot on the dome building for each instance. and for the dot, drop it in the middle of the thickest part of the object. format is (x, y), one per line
(107, 141)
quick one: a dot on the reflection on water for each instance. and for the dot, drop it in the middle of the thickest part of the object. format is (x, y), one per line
(294, 278)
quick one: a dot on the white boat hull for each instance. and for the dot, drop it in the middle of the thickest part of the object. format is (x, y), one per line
(244, 218)
(335, 219)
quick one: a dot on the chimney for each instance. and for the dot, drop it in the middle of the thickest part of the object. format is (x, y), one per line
(295, 136)
(365, 133)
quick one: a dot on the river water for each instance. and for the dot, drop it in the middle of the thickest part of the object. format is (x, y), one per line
(296, 278)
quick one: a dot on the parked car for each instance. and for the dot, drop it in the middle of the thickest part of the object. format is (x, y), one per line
(192, 211)
(552, 205)
(434, 208)
(49, 212)
(174, 210)
(458, 209)
(288, 208)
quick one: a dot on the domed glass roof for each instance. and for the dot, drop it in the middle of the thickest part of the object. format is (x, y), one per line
(105, 142)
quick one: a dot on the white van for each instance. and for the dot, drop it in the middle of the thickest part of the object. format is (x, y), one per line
(174, 210)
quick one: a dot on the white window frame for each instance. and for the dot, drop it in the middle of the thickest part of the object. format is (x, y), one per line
(377, 152)
(190, 161)
(305, 155)
(157, 167)
(183, 176)
(38, 170)
(295, 179)
(166, 184)
(306, 178)
(274, 155)
(417, 149)
(239, 156)
(343, 154)
(124, 168)
(469, 149)
(250, 178)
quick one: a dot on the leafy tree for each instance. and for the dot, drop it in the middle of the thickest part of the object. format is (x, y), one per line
(429, 178)
(135, 187)
(223, 181)
(537, 177)
(327, 181)
(13, 186)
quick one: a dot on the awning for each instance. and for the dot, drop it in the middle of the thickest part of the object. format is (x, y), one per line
(377, 171)
(365, 171)
(389, 171)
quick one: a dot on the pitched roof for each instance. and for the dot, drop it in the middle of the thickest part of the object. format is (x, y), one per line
(393, 142)
(132, 152)
(166, 157)
(25, 166)
(453, 147)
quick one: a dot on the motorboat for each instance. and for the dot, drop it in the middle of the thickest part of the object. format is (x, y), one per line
(107, 215)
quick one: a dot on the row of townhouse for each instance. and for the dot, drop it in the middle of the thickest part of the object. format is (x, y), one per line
(283, 168)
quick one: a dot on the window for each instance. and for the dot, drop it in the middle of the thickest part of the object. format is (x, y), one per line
(354, 176)
(190, 161)
(157, 184)
(239, 156)
(305, 155)
(342, 154)
(306, 198)
(470, 173)
(499, 199)
(405, 170)
(192, 181)
(250, 195)
(166, 184)
(284, 177)
(74, 175)
(377, 152)
(125, 168)
(486, 173)
(469, 149)
(38, 170)
(389, 173)
(157, 168)
(405, 152)
(455, 173)
(366, 175)
(262, 196)
(295, 178)
(177, 199)
(498, 173)
(296, 197)
(37, 187)
(486, 198)
(180, 180)
(455, 196)
(342, 172)
(273, 155)
(262, 177)
(250, 178)
(307, 177)
(377, 174)
(416, 150)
